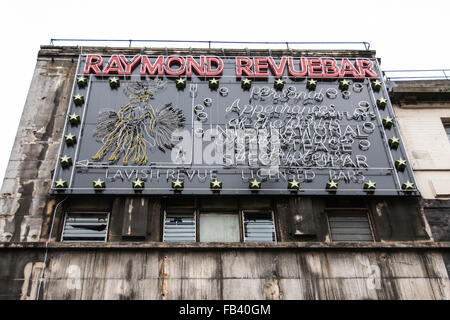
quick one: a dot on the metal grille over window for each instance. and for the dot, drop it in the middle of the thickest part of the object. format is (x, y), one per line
(350, 226)
(179, 227)
(259, 227)
(85, 227)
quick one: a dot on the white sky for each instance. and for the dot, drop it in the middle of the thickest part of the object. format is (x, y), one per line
(406, 34)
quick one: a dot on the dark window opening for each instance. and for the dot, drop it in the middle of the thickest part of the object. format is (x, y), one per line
(258, 227)
(179, 227)
(447, 130)
(91, 227)
(350, 226)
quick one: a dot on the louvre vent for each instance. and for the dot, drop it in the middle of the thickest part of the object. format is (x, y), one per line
(352, 226)
(259, 227)
(85, 227)
(179, 227)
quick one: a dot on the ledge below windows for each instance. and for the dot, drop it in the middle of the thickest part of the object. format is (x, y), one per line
(237, 245)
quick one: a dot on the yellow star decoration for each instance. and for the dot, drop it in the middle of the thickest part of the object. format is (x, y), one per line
(376, 85)
(70, 139)
(388, 122)
(74, 119)
(81, 81)
(370, 185)
(293, 185)
(246, 83)
(332, 185)
(408, 185)
(311, 84)
(255, 184)
(382, 103)
(181, 83)
(65, 161)
(178, 184)
(78, 99)
(394, 142)
(400, 164)
(99, 184)
(216, 184)
(114, 82)
(60, 183)
(279, 84)
(213, 83)
(344, 84)
(138, 184)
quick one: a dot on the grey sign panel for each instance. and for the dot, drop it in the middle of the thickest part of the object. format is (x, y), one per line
(142, 134)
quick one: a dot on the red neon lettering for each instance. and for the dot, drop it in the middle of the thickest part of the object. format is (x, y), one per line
(243, 68)
(365, 68)
(277, 70)
(261, 67)
(114, 66)
(347, 69)
(177, 61)
(330, 68)
(129, 66)
(293, 72)
(315, 68)
(198, 67)
(93, 63)
(217, 62)
(149, 68)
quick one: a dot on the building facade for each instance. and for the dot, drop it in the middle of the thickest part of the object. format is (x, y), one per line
(116, 187)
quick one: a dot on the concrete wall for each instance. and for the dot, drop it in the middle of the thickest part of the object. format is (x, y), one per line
(25, 189)
(422, 107)
(225, 273)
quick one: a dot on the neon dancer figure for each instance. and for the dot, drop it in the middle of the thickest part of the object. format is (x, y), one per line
(126, 134)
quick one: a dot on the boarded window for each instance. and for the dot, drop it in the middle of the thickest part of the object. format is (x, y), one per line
(219, 227)
(85, 227)
(349, 226)
(179, 227)
(258, 227)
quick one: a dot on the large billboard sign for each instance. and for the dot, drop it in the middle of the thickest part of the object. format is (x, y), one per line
(231, 125)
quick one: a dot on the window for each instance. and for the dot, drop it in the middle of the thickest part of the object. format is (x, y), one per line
(85, 227)
(447, 130)
(352, 226)
(190, 225)
(179, 226)
(219, 227)
(258, 226)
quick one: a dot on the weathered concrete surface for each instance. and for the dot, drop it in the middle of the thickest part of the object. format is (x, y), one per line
(225, 274)
(438, 217)
(27, 181)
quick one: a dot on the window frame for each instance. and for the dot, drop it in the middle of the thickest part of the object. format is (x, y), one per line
(194, 213)
(218, 211)
(243, 211)
(446, 125)
(108, 215)
(366, 211)
(197, 211)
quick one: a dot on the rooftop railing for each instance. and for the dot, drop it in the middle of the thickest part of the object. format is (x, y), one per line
(417, 74)
(393, 75)
(220, 44)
